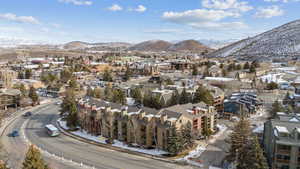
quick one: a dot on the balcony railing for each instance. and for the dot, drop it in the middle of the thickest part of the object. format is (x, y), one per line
(285, 152)
(283, 161)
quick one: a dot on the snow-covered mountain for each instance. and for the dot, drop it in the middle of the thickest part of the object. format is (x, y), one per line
(217, 44)
(15, 42)
(94, 46)
(283, 41)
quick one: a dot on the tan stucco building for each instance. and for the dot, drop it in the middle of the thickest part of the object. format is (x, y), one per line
(145, 127)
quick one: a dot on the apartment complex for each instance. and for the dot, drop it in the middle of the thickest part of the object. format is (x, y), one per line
(282, 141)
(145, 127)
(9, 98)
(6, 78)
(241, 103)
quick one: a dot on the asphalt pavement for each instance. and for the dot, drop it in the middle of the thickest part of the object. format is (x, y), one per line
(69, 148)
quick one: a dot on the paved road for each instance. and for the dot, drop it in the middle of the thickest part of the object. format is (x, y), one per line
(72, 149)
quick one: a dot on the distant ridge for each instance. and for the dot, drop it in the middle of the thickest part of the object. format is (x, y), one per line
(283, 41)
(160, 45)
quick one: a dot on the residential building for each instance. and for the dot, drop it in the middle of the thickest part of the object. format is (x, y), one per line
(6, 78)
(9, 98)
(145, 127)
(282, 141)
(241, 104)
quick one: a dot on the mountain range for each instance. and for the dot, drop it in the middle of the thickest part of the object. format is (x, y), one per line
(283, 41)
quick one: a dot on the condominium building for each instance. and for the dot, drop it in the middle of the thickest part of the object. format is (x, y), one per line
(146, 127)
(6, 78)
(9, 98)
(282, 141)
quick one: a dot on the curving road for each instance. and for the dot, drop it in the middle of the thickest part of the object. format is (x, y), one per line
(70, 148)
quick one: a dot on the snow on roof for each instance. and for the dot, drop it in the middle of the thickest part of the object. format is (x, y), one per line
(219, 78)
(281, 129)
(172, 119)
(281, 113)
(294, 119)
(259, 129)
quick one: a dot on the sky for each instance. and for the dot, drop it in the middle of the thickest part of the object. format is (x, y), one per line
(61, 21)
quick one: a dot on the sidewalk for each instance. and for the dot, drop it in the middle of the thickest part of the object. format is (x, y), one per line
(116, 148)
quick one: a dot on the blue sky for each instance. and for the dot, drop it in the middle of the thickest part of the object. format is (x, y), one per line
(59, 21)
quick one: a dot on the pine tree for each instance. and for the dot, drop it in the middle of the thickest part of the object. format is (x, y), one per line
(246, 65)
(137, 95)
(195, 70)
(119, 97)
(174, 141)
(238, 139)
(90, 92)
(108, 93)
(276, 107)
(203, 95)
(174, 99)
(23, 89)
(255, 158)
(69, 106)
(107, 76)
(186, 133)
(33, 95)
(127, 74)
(97, 93)
(34, 160)
(184, 99)
(28, 73)
(73, 83)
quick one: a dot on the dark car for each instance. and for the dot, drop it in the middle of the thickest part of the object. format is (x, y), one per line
(15, 133)
(27, 114)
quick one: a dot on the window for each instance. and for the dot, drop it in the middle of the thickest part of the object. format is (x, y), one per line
(282, 157)
(283, 147)
(285, 167)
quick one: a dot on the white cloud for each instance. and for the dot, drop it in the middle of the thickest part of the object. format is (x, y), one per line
(55, 25)
(11, 29)
(22, 19)
(285, 1)
(269, 12)
(219, 25)
(115, 7)
(242, 6)
(163, 31)
(77, 2)
(204, 19)
(198, 15)
(141, 8)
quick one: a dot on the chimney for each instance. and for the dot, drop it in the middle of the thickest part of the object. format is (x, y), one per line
(163, 118)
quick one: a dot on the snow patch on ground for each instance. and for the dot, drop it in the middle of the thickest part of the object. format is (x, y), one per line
(222, 129)
(193, 155)
(100, 139)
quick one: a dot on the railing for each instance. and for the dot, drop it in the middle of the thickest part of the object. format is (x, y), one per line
(286, 152)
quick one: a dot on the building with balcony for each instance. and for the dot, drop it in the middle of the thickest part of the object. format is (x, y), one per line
(281, 140)
(145, 127)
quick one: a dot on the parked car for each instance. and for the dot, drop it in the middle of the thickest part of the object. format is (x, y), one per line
(15, 133)
(27, 114)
